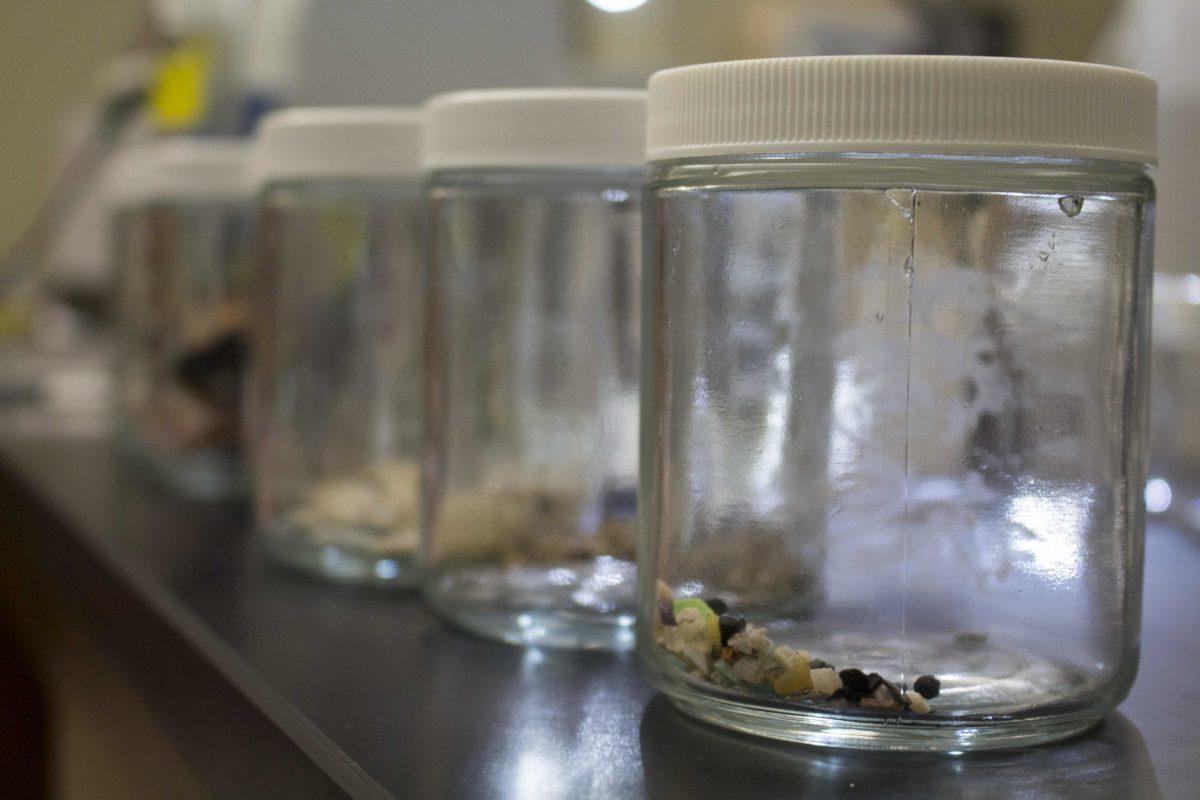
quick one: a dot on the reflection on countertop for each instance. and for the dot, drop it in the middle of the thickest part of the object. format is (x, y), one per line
(685, 758)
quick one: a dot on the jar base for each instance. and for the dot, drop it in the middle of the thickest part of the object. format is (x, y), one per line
(891, 733)
(559, 630)
(341, 563)
(585, 604)
(992, 695)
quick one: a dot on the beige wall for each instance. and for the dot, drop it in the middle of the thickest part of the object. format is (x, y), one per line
(49, 52)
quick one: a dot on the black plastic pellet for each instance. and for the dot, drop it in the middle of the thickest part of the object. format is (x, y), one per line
(927, 686)
(718, 605)
(730, 625)
(666, 612)
(817, 663)
(855, 682)
(874, 681)
(847, 695)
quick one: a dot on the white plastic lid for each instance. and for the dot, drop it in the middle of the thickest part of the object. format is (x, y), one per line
(338, 142)
(179, 169)
(536, 128)
(903, 104)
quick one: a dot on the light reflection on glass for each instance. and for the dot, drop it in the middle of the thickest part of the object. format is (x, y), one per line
(850, 415)
(774, 435)
(1158, 495)
(536, 777)
(561, 576)
(531, 659)
(1191, 289)
(616, 6)
(387, 569)
(1052, 524)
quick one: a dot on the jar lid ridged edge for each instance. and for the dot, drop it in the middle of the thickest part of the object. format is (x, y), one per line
(952, 105)
(536, 127)
(338, 142)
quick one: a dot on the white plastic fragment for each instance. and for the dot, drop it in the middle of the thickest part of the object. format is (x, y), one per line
(825, 681)
(753, 638)
(689, 638)
(917, 702)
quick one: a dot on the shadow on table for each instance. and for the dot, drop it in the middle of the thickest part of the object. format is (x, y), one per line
(686, 758)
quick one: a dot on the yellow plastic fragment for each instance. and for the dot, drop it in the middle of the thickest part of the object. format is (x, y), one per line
(796, 679)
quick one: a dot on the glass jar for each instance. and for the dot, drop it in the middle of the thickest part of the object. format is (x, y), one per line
(893, 432)
(1173, 489)
(181, 252)
(336, 378)
(533, 368)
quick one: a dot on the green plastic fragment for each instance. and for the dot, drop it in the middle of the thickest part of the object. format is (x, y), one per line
(693, 602)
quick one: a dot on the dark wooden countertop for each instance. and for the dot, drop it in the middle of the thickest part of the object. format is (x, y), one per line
(273, 684)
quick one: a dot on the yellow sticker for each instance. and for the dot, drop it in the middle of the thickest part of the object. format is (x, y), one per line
(179, 99)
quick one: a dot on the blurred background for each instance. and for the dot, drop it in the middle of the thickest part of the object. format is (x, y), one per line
(80, 79)
(82, 76)
(84, 79)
